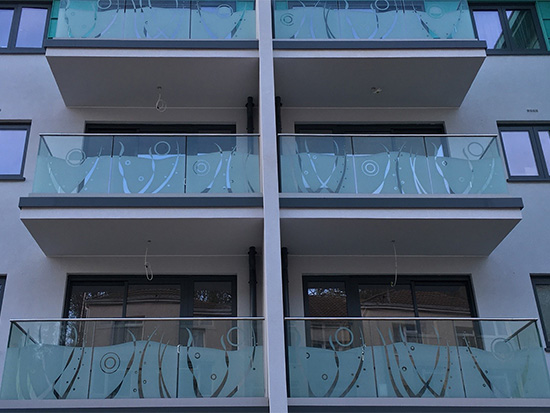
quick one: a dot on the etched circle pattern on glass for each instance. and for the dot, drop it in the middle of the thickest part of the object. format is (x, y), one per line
(347, 330)
(110, 362)
(75, 157)
(104, 4)
(225, 10)
(370, 168)
(162, 148)
(475, 149)
(201, 168)
(287, 19)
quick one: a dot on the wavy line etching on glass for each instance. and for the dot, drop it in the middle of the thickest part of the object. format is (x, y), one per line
(138, 365)
(372, 20)
(153, 19)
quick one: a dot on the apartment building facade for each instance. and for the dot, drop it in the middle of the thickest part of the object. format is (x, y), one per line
(255, 205)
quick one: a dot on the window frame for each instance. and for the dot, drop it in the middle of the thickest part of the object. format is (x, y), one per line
(541, 279)
(2, 289)
(16, 21)
(538, 153)
(506, 30)
(186, 283)
(352, 282)
(17, 126)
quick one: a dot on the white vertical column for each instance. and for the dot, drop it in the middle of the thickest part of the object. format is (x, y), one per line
(274, 343)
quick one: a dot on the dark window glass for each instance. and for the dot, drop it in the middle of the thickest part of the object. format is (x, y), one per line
(522, 26)
(386, 301)
(527, 151)
(411, 297)
(542, 294)
(101, 301)
(2, 288)
(327, 299)
(544, 139)
(165, 297)
(153, 301)
(508, 29)
(442, 300)
(212, 299)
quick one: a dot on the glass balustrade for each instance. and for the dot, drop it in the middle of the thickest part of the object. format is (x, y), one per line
(415, 357)
(398, 164)
(153, 19)
(372, 19)
(134, 358)
(122, 164)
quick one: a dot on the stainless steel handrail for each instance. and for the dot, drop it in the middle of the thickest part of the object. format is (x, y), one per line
(393, 135)
(407, 319)
(182, 135)
(140, 319)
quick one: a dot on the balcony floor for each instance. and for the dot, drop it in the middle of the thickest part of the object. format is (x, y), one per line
(449, 227)
(407, 77)
(124, 231)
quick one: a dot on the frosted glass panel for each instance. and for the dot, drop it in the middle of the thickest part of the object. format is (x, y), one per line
(370, 20)
(391, 164)
(154, 19)
(415, 358)
(145, 164)
(134, 358)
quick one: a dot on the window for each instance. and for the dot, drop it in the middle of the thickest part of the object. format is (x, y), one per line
(135, 298)
(527, 152)
(22, 28)
(375, 297)
(508, 29)
(200, 296)
(370, 296)
(13, 148)
(541, 285)
(2, 288)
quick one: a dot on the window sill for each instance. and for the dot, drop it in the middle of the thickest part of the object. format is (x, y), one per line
(530, 180)
(12, 178)
(23, 51)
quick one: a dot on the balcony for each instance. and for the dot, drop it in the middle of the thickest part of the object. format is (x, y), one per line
(111, 194)
(205, 48)
(414, 358)
(137, 358)
(431, 195)
(153, 20)
(401, 54)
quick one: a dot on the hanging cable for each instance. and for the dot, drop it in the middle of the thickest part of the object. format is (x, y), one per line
(394, 283)
(161, 104)
(147, 265)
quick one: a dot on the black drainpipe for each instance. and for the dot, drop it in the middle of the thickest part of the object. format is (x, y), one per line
(252, 280)
(250, 115)
(284, 267)
(278, 105)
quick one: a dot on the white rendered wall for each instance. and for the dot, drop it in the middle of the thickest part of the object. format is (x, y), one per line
(503, 91)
